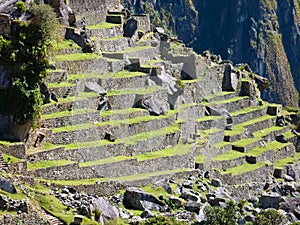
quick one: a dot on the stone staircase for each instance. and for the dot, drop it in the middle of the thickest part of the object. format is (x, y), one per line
(96, 137)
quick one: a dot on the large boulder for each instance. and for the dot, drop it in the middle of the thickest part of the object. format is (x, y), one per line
(270, 200)
(94, 87)
(135, 198)
(155, 105)
(7, 185)
(230, 79)
(108, 212)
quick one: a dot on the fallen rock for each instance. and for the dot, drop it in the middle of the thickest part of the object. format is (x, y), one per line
(216, 182)
(94, 87)
(108, 212)
(156, 106)
(193, 206)
(270, 200)
(135, 198)
(188, 195)
(147, 214)
(7, 185)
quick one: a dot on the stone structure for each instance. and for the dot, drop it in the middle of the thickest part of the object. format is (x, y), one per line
(5, 25)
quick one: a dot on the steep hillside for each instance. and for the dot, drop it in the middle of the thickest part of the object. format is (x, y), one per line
(264, 33)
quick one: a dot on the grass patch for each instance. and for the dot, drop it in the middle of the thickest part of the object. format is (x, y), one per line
(46, 147)
(229, 156)
(180, 149)
(200, 159)
(81, 96)
(137, 91)
(276, 146)
(246, 167)
(108, 113)
(120, 179)
(77, 57)
(59, 85)
(282, 162)
(264, 132)
(66, 44)
(103, 25)
(116, 75)
(289, 134)
(134, 49)
(248, 110)
(48, 163)
(11, 159)
(245, 142)
(89, 144)
(66, 113)
(112, 122)
(221, 144)
(235, 99)
(209, 118)
(219, 94)
(105, 161)
(112, 38)
(256, 120)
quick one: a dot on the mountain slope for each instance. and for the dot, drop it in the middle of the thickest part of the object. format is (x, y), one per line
(265, 34)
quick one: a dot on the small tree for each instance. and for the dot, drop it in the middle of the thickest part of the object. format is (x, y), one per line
(222, 216)
(269, 217)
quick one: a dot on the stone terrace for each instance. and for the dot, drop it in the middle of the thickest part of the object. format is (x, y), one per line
(94, 130)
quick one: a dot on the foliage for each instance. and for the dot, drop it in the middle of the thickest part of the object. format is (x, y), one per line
(21, 6)
(24, 58)
(161, 220)
(269, 217)
(222, 216)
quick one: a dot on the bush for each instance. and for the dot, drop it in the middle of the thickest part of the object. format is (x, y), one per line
(269, 217)
(161, 220)
(21, 6)
(222, 216)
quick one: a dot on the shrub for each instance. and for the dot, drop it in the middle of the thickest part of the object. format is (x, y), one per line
(269, 217)
(21, 6)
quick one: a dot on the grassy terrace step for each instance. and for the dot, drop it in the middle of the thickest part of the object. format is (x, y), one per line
(112, 81)
(54, 76)
(166, 159)
(232, 104)
(248, 113)
(82, 100)
(122, 179)
(208, 122)
(289, 160)
(103, 25)
(274, 145)
(131, 51)
(246, 144)
(221, 96)
(66, 118)
(67, 47)
(121, 128)
(77, 57)
(245, 167)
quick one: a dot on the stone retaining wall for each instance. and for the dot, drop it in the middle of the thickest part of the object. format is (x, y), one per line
(106, 32)
(16, 150)
(112, 45)
(84, 66)
(249, 116)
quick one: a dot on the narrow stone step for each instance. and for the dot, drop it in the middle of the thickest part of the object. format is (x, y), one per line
(232, 104)
(100, 149)
(221, 96)
(179, 156)
(88, 100)
(68, 118)
(57, 76)
(119, 128)
(107, 186)
(113, 44)
(105, 30)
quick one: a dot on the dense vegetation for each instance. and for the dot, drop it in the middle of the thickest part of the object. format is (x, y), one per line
(25, 57)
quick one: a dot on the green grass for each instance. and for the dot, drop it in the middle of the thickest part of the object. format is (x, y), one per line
(66, 113)
(48, 163)
(112, 38)
(257, 151)
(235, 99)
(120, 179)
(289, 134)
(103, 25)
(105, 161)
(276, 146)
(46, 147)
(289, 160)
(112, 122)
(66, 44)
(134, 49)
(209, 118)
(200, 159)
(81, 96)
(108, 113)
(59, 85)
(199, 78)
(264, 132)
(246, 167)
(256, 120)
(248, 110)
(116, 75)
(229, 156)
(221, 144)
(180, 149)
(219, 94)
(131, 140)
(245, 142)
(77, 57)
(137, 91)
(7, 143)
(11, 159)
